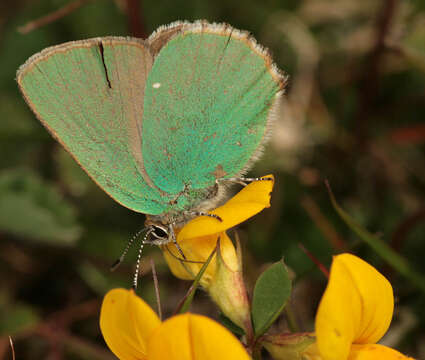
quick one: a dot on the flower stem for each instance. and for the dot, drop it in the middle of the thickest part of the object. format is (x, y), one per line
(290, 318)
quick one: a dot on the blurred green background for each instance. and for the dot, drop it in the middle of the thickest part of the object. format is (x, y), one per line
(353, 114)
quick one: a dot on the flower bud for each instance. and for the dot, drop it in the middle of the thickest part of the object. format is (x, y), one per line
(227, 289)
(300, 346)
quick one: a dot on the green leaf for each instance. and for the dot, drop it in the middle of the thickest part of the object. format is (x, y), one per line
(397, 261)
(187, 300)
(271, 293)
(34, 210)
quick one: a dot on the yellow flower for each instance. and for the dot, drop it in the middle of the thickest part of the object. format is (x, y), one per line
(198, 238)
(355, 312)
(133, 331)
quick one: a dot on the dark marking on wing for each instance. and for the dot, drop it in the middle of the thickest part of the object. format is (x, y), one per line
(219, 172)
(104, 65)
(206, 138)
(167, 154)
(224, 49)
(228, 40)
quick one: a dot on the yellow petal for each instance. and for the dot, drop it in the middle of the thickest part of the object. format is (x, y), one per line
(199, 249)
(357, 307)
(126, 322)
(375, 352)
(194, 337)
(246, 203)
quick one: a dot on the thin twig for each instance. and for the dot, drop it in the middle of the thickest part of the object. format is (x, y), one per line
(12, 348)
(321, 267)
(327, 229)
(135, 24)
(291, 318)
(155, 281)
(53, 16)
(371, 73)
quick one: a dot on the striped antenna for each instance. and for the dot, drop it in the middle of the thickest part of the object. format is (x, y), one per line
(139, 256)
(118, 262)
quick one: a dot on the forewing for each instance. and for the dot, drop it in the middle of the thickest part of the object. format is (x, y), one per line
(160, 37)
(209, 99)
(89, 94)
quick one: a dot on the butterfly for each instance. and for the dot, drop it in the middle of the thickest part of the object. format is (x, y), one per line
(159, 124)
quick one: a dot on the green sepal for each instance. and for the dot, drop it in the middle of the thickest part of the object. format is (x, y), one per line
(230, 325)
(187, 300)
(301, 346)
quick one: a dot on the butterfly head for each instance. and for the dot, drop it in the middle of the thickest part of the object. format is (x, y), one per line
(159, 233)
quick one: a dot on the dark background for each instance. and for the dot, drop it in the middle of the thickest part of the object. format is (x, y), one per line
(353, 115)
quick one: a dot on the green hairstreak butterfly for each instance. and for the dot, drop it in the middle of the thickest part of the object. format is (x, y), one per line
(159, 124)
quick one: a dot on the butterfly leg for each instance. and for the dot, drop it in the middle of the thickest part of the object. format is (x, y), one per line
(243, 181)
(174, 240)
(201, 213)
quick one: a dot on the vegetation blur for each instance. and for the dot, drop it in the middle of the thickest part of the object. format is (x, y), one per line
(353, 115)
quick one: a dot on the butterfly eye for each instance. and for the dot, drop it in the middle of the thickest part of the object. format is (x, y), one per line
(159, 232)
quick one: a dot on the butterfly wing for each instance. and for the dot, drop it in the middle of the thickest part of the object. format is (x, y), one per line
(208, 104)
(89, 94)
(161, 36)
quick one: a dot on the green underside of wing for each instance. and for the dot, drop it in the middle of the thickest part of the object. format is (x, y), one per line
(69, 92)
(205, 111)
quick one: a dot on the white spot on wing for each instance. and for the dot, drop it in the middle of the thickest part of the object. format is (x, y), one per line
(156, 85)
